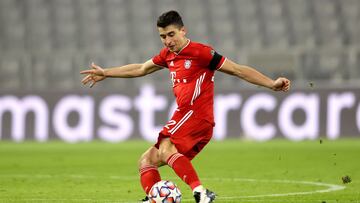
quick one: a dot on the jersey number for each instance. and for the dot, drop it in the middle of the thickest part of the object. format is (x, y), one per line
(170, 123)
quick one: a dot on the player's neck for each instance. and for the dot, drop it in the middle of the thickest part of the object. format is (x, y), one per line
(184, 44)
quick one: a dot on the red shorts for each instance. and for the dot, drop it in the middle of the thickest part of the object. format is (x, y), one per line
(188, 133)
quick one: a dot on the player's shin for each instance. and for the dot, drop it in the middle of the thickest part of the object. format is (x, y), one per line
(184, 169)
(149, 175)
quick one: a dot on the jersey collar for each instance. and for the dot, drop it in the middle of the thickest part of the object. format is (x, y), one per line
(187, 44)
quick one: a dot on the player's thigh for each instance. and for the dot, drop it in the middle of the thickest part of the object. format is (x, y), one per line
(198, 147)
(190, 135)
(166, 149)
(150, 157)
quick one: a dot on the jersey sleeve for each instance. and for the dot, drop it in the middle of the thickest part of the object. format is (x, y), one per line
(160, 59)
(211, 58)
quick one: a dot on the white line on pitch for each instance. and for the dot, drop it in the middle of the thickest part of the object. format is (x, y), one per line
(330, 187)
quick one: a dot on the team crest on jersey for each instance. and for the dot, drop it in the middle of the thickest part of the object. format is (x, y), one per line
(187, 64)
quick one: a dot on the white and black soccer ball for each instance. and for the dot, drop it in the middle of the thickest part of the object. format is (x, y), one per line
(164, 191)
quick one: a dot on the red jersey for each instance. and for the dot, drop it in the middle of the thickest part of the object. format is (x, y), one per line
(192, 75)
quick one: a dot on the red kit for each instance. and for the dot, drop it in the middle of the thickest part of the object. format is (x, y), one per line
(192, 75)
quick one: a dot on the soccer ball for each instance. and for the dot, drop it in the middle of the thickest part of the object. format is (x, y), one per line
(164, 191)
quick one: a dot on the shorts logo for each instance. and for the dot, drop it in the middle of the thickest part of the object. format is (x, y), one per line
(187, 64)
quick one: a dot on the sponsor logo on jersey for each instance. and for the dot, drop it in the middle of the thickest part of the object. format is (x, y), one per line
(172, 63)
(187, 64)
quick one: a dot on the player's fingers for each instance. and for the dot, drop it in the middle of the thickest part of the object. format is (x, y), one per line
(94, 66)
(87, 72)
(286, 88)
(86, 79)
(92, 84)
(288, 84)
(90, 79)
(285, 83)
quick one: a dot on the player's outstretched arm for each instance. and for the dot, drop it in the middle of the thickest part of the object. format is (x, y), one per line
(97, 73)
(253, 76)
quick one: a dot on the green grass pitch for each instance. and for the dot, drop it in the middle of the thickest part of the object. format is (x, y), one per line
(238, 171)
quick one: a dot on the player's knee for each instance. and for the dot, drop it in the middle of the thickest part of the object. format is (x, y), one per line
(150, 157)
(147, 160)
(142, 161)
(165, 153)
(166, 149)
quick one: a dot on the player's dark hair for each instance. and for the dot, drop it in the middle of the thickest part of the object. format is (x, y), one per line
(170, 18)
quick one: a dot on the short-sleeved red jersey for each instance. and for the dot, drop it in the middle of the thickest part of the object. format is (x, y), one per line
(192, 75)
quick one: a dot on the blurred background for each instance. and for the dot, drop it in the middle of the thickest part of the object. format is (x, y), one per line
(45, 43)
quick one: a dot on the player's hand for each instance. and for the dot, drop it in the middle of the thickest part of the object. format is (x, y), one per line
(281, 84)
(94, 75)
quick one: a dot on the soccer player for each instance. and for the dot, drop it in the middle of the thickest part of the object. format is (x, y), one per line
(192, 66)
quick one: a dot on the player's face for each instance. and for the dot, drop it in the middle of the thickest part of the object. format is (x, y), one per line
(173, 37)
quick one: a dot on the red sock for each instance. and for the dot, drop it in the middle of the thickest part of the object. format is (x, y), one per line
(149, 175)
(184, 169)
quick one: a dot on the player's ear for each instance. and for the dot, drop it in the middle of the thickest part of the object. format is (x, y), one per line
(183, 30)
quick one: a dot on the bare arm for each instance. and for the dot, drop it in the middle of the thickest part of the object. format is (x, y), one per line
(255, 77)
(96, 73)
